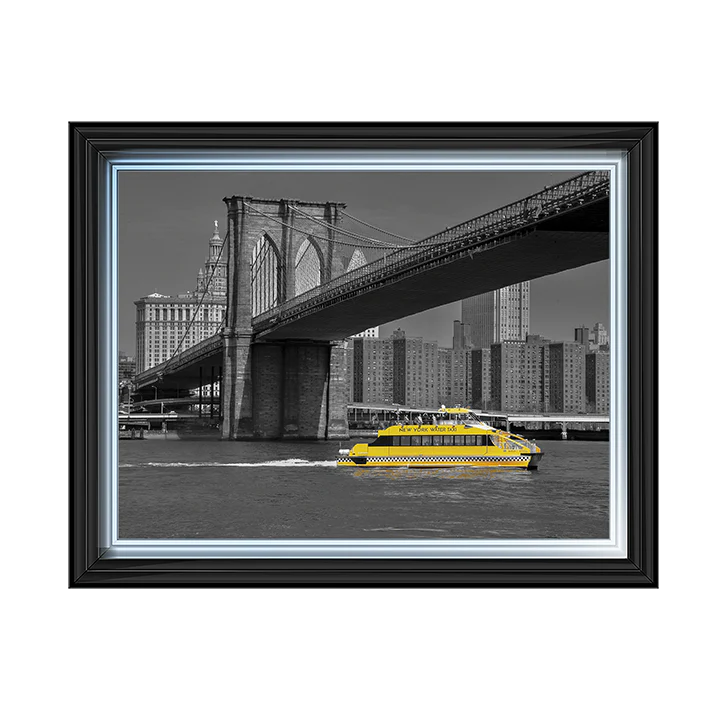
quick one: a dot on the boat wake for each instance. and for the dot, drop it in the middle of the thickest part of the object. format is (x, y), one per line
(270, 463)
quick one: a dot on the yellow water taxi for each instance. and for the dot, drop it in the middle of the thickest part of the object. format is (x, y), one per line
(456, 438)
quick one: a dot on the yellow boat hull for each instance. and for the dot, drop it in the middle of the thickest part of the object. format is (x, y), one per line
(526, 461)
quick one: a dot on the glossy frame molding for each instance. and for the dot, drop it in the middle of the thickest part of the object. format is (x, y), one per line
(90, 147)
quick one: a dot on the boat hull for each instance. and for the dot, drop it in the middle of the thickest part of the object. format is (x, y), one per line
(524, 461)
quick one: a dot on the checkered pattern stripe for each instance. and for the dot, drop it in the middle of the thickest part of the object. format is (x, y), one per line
(447, 459)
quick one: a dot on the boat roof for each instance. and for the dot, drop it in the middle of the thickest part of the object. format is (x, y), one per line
(435, 428)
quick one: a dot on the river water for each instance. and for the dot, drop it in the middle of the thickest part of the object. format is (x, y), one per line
(264, 490)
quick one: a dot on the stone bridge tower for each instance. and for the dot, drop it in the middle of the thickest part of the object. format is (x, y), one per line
(295, 389)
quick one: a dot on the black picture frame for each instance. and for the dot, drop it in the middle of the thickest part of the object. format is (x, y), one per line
(90, 145)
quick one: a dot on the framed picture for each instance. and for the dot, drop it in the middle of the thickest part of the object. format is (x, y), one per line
(363, 354)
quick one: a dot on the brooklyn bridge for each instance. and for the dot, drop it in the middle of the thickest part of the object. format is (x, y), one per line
(299, 284)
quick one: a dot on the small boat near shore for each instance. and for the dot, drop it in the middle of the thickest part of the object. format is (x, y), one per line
(457, 438)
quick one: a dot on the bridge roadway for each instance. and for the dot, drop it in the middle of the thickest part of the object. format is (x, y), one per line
(469, 259)
(442, 275)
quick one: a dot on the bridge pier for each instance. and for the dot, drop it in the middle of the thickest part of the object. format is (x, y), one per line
(238, 422)
(289, 390)
(337, 426)
(267, 392)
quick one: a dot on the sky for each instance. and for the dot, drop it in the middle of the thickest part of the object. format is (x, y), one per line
(166, 218)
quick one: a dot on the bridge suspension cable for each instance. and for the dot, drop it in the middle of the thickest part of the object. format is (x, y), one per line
(198, 304)
(375, 245)
(381, 230)
(344, 232)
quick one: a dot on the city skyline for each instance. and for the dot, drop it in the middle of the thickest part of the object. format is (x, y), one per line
(166, 216)
(533, 374)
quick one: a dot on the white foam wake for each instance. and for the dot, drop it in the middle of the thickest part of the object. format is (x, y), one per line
(270, 463)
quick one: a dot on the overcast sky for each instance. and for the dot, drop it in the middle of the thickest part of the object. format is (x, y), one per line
(166, 219)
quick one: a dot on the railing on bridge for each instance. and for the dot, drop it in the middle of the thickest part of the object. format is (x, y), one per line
(188, 356)
(576, 191)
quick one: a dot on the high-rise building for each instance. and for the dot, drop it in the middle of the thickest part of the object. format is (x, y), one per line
(518, 376)
(480, 379)
(454, 387)
(497, 316)
(372, 368)
(166, 325)
(567, 377)
(600, 335)
(582, 336)
(462, 337)
(597, 382)
(372, 333)
(415, 371)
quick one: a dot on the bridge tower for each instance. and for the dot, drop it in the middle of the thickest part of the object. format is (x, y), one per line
(285, 389)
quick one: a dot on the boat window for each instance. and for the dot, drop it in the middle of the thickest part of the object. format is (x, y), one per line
(459, 440)
(415, 441)
(438, 440)
(449, 440)
(427, 441)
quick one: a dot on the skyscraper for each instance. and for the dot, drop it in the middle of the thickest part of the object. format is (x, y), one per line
(416, 371)
(567, 377)
(597, 382)
(462, 338)
(480, 378)
(518, 378)
(600, 335)
(167, 324)
(499, 315)
(372, 369)
(371, 333)
(582, 336)
(454, 377)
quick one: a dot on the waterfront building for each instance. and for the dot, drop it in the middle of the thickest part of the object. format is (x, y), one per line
(371, 370)
(597, 382)
(415, 371)
(166, 325)
(567, 377)
(480, 388)
(454, 377)
(518, 376)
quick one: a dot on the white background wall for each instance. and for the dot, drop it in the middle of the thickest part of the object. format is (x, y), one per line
(357, 655)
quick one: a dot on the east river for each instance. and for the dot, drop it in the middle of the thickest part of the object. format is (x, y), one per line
(212, 490)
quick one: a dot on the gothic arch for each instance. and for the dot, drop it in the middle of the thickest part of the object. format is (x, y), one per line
(308, 266)
(265, 275)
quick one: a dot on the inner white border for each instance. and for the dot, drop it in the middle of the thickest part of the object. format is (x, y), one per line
(614, 547)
